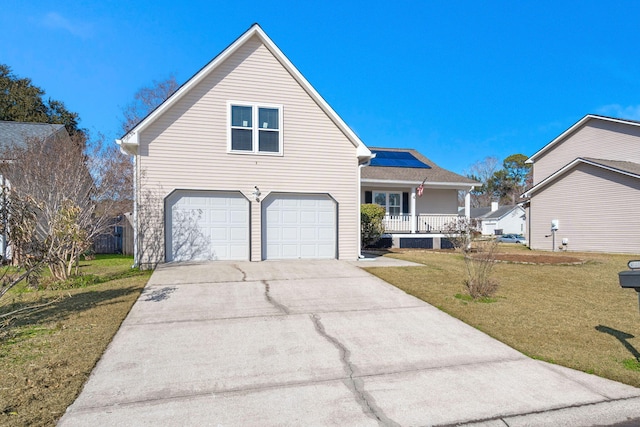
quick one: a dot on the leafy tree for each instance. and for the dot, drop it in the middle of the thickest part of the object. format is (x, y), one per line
(518, 173)
(145, 100)
(503, 185)
(21, 100)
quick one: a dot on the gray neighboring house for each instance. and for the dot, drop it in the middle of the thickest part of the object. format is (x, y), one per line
(587, 182)
(16, 134)
(245, 161)
(414, 219)
(495, 219)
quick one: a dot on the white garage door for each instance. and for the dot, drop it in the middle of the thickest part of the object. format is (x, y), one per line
(205, 225)
(299, 226)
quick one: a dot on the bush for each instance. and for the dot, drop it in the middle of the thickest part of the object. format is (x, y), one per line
(371, 216)
(465, 236)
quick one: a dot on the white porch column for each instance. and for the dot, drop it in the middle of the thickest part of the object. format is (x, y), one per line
(412, 209)
(467, 204)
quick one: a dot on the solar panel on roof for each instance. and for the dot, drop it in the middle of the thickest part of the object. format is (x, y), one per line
(398, 159)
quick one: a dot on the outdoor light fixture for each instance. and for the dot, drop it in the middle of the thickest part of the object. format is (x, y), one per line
(256, 193)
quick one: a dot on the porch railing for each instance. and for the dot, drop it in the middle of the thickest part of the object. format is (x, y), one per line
(425, 223)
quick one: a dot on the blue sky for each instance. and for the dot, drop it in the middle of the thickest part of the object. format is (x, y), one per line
(457, 80)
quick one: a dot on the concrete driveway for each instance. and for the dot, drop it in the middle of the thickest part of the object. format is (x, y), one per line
(321, 343)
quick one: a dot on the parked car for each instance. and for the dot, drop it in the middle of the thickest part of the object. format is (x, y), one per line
(512, 238)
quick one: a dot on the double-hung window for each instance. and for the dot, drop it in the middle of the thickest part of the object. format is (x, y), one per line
(255, 128)
(391, 202)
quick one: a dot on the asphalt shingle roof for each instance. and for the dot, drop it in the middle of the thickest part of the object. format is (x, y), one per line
(435, 174)
(630, 167)
(17, 133)
(487, 213)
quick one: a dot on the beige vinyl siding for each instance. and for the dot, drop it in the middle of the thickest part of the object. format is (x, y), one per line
(597, 139)
(597, 210)
(434, 201)
(186, 147)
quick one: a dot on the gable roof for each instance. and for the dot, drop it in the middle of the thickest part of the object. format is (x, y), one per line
(476, 213)
(18, 133)
(129, 141)
(487, 213)
(626, 168)
(434, 174)
(580, 123)
(501, 212)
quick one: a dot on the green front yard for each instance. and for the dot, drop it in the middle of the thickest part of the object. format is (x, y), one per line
(47, 355)
(572, 315)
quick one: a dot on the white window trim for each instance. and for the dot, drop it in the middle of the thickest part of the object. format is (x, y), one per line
(386, 195)
(255, 106)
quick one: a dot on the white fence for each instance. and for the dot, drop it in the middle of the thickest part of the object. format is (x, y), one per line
(425, 223)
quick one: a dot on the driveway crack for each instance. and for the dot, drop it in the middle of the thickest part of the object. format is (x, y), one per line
(244, 274)
(356, 385)
(272, 301)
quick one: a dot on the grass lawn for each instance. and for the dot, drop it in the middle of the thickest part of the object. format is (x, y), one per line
(47, 355)
(572, 315)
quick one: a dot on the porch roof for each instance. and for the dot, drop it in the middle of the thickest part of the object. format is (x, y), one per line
(434, 175)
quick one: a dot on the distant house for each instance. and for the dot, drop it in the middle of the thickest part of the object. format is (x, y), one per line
(245, 161)
(587, 183)
(17, 134)
(495, 219)
(392, 179)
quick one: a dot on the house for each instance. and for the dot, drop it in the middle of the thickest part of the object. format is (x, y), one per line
(420, 197)
(495, 219)
(17, 134)
(586, 188)
(245, 161)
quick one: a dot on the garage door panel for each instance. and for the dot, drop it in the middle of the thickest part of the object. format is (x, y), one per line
(204, 225)
(289, 233)
(299, 226)
(308, 233)
(307, 217)
(326, 218)
(289, 251)
(289, 217)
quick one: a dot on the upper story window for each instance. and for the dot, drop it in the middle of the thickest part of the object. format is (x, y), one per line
(255, 128)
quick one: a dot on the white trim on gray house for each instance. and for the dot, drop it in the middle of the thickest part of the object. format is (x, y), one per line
(622, 167)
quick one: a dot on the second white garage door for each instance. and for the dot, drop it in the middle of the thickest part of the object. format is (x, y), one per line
(299, 226)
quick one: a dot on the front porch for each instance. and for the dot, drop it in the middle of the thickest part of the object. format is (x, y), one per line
(419, 223)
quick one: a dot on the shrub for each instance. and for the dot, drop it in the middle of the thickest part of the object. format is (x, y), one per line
(479, 256)
(371, 216)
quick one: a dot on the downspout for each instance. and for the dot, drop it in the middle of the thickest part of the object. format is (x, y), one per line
(360, 166)
(136, 259)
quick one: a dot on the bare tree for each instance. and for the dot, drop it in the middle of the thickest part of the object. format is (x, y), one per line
(482, 171)
(479, 256)
(69, 194)
(145, 100)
